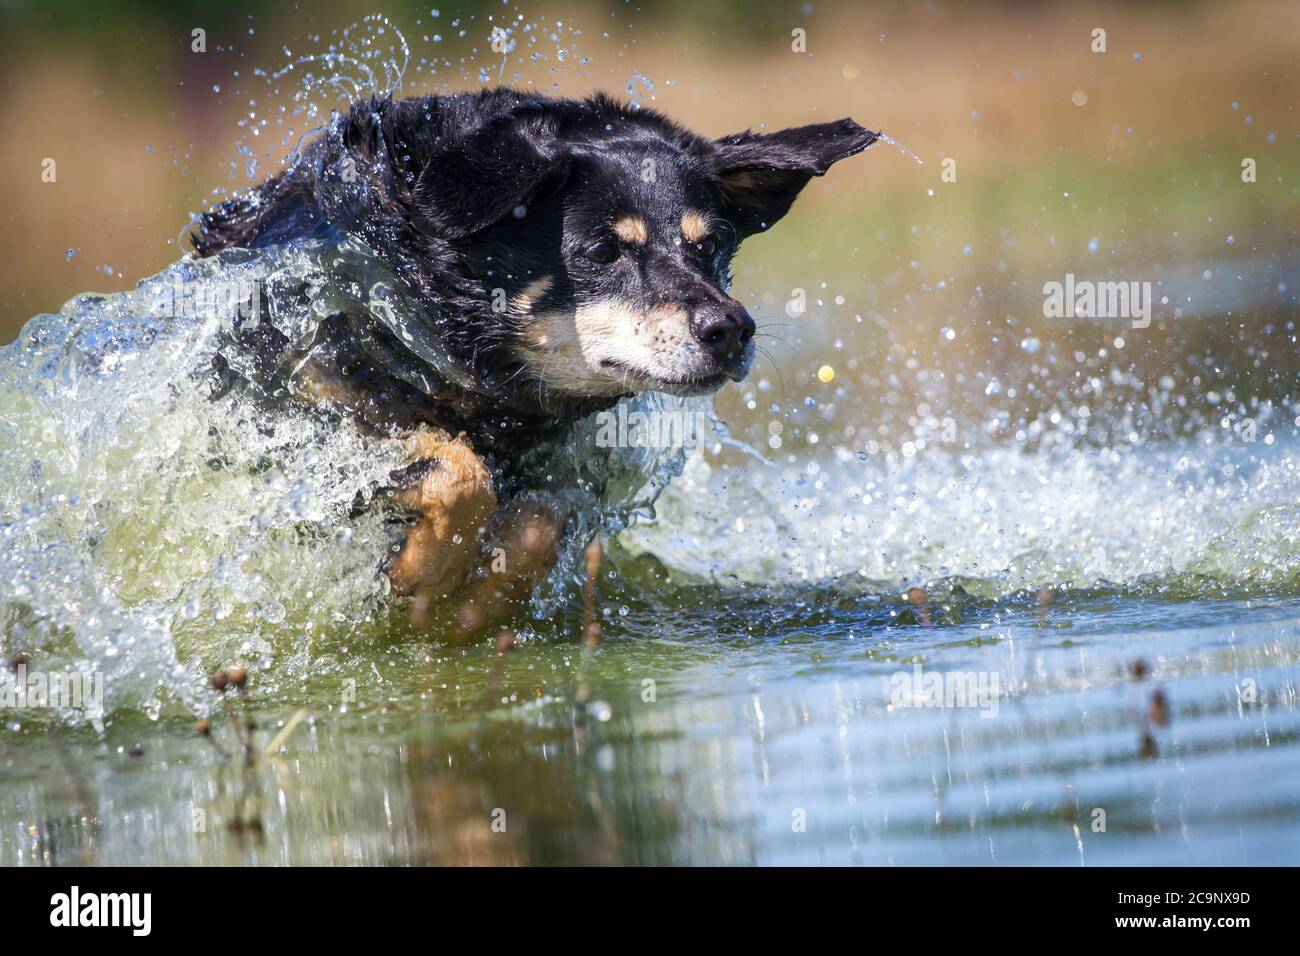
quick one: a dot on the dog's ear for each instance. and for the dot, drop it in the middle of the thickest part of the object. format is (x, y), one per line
(760, 174)
(471, 182)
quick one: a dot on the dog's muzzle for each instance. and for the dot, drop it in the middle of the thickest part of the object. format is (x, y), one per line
(724, 331)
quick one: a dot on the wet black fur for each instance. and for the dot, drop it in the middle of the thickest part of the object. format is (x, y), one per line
(465, 194)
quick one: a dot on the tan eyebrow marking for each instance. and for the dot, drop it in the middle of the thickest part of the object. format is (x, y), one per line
(695, 225)
(524, 301)
(631, 229)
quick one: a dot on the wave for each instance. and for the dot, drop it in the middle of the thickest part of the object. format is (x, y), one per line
(1205, 515)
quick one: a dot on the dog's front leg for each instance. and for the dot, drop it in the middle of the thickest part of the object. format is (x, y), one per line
(444, 559)
(523, 550)
(450, 490)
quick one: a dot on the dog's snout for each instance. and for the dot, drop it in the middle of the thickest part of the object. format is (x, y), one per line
(723, 330)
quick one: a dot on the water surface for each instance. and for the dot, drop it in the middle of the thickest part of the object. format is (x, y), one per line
(1131, 612)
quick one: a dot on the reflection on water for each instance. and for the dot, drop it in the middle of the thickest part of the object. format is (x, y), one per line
(1152, 733)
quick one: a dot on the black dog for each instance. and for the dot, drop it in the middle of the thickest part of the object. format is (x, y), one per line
(569, 253)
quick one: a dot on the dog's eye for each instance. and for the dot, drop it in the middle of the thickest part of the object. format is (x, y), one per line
(604, 252)
(707, 246)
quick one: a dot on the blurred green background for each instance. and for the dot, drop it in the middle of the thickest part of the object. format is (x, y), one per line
(1122, 164)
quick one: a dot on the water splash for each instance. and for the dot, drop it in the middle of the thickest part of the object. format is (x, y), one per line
(150, 531)
(890, 141)
(642, 80)
(372, 57)
(1192, 517)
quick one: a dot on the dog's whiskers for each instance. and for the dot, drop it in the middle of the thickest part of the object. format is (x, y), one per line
(775, 368)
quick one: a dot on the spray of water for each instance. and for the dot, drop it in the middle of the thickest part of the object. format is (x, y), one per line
(149, 530)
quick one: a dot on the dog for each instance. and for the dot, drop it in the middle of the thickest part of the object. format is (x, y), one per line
(567, 253)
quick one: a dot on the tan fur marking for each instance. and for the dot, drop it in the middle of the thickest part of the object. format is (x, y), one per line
(455, 500)
(631, 229)
(524, 301)
(565, 349)
(530, 536)
(320, 385)
(695, 225)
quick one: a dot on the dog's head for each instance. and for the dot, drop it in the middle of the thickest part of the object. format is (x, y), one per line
(626, 267)
(589, 243)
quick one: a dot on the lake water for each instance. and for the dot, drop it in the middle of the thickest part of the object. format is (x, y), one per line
(1013, 650)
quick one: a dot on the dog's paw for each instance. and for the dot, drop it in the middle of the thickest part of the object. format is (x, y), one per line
(523, 551)
(449, 489)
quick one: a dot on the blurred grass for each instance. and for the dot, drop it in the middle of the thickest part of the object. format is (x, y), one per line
(1148, 168)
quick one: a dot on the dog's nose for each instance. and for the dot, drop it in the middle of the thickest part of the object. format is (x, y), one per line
(723, 330)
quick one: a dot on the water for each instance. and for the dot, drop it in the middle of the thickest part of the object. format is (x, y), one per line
(1099, 540)
(744, 706)
(153, 531)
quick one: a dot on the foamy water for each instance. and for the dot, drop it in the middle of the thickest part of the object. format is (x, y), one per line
(1200, 514)
(149, 531)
